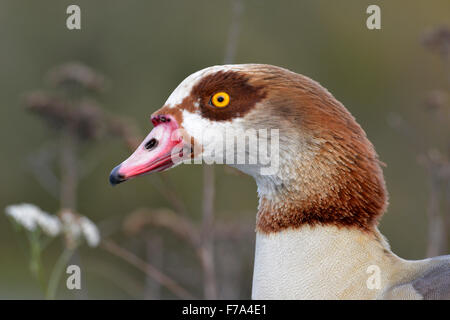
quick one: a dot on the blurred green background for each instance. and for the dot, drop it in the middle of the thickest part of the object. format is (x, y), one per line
(145, 48)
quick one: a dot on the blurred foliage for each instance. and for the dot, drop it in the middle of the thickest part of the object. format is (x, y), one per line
(145, 48)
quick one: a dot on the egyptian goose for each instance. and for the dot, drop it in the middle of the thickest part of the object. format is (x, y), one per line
(316, 226)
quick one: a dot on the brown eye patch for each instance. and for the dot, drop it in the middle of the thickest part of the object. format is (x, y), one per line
(243, 95)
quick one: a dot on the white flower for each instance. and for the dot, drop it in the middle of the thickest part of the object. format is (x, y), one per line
(76, 227)
(71, 226)
(49, 224)
(23, 214)
(31, 216)
(90, 231)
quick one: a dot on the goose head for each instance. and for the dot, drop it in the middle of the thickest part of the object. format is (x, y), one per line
(312, 162)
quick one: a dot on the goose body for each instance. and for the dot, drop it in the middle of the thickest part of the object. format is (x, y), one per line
(332, 263)
(316, 226)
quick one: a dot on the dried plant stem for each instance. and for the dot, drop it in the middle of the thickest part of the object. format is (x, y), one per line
(57, 272)
(170, 195)
(438, 174)
(121, 279)
(68, 198)
(233, 34)
(39, 165)
(35, 259)
(207, 237)
(68, 171)
(437, 165)
(147, 268)
(206, 250)
(163, 218)
(434, 242)
(154, 253)
(437, 211)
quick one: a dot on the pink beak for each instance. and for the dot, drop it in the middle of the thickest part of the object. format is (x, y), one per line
(160, 150)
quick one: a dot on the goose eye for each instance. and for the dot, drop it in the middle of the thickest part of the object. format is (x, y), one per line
(220, 99)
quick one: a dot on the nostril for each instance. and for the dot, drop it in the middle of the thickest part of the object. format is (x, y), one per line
(151, 144)
(160, 119)
(155, 120)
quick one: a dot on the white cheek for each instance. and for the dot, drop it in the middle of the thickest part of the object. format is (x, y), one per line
(208, 133)
(204, 131)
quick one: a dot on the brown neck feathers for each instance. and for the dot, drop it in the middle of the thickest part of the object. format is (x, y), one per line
(334, 178)
(354, 197)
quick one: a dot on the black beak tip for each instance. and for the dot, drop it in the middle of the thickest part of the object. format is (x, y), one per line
(115, 177)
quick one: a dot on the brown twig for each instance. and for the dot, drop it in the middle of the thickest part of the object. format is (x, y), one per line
(39, 165)
(69, 179)
(167, 190)
(438, 169)
(206, 251)
(147, 268)
(77, 119)
(78, 74)
(180, 226)
(237, 10)
(120, 279)
(153, 252)
(436, 164)
(163, 218)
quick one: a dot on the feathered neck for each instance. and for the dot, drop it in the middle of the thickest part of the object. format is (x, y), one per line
(329, 171)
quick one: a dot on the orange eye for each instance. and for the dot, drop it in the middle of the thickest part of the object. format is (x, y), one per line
(220, 99)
